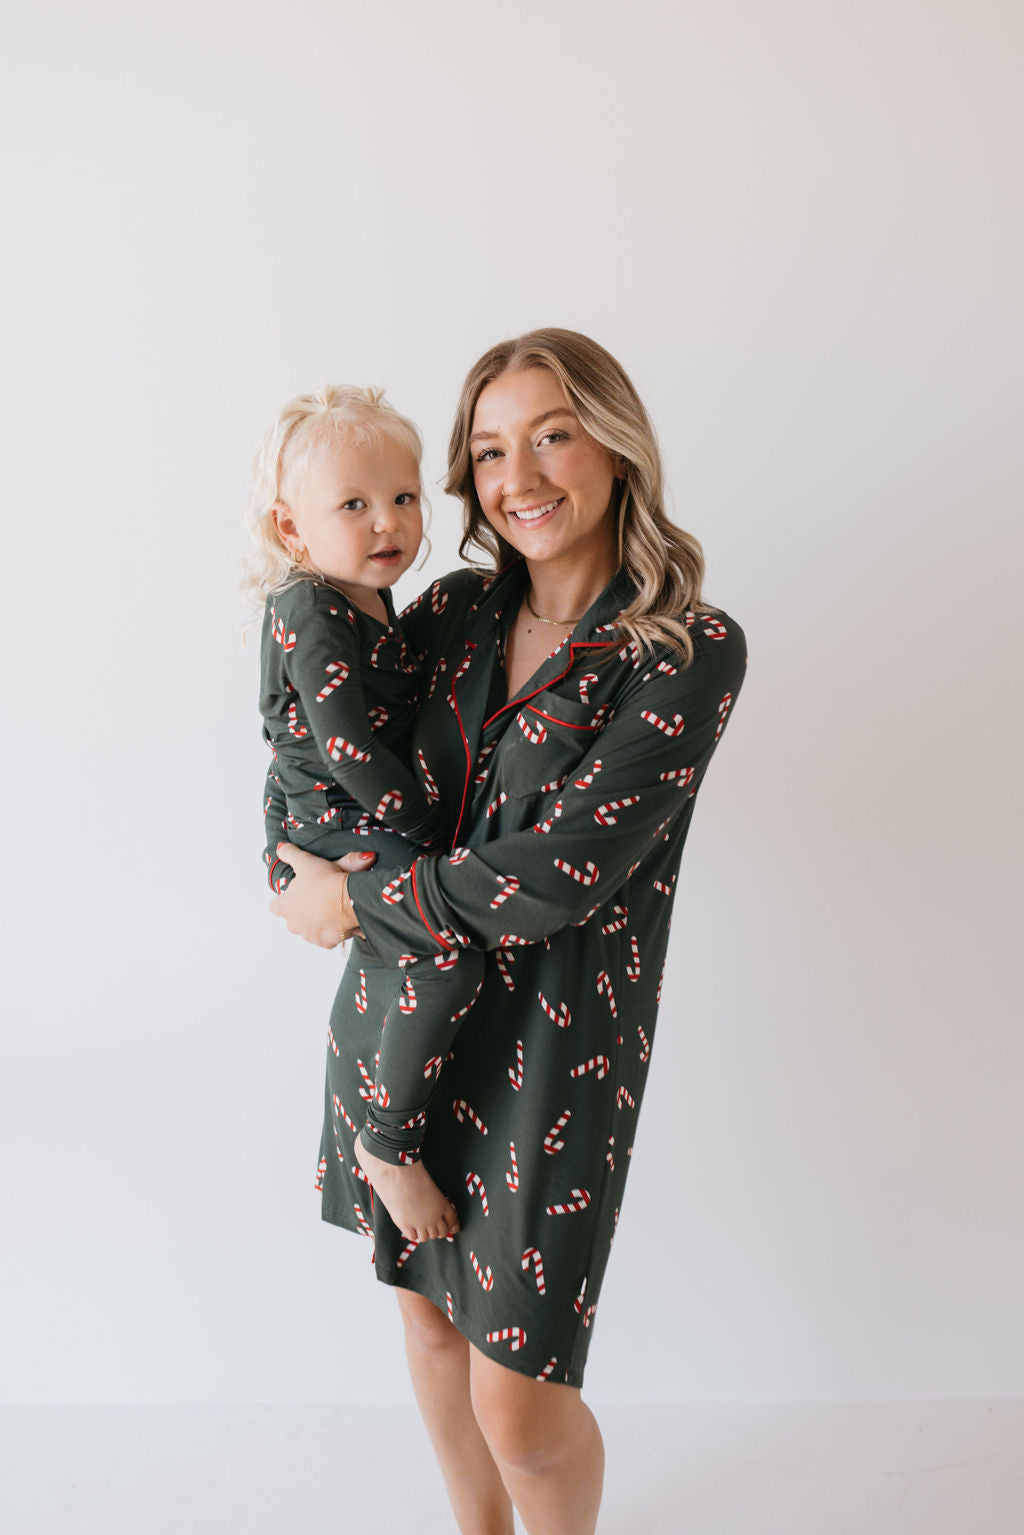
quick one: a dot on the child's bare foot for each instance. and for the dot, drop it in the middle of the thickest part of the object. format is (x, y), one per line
(410, 1196)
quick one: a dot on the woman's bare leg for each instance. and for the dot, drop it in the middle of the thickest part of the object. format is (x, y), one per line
(546, 1444)
(438, 1358)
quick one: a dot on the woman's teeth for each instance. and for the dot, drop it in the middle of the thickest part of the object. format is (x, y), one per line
(536, 511)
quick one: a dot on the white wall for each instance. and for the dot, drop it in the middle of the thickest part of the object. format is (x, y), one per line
(799, 226)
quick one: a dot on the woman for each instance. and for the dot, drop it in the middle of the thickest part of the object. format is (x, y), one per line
(574, 700)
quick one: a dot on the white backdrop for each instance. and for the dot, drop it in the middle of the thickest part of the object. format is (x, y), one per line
(799, 226)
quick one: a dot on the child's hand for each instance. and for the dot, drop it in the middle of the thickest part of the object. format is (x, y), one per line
(315, 905)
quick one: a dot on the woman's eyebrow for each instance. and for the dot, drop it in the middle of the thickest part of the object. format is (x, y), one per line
(537, 421)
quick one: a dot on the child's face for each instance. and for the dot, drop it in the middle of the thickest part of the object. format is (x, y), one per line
(357, 514)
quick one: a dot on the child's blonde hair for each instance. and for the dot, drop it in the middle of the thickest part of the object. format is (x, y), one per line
(304, 427)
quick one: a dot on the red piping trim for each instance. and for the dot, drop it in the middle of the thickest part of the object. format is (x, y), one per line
(416, 897)
(469, 763)
(573, 645)
(556, 721)
(270, 872)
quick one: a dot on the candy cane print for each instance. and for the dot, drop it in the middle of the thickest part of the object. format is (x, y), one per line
(481, 757)
(295, 729)
(337, 747)
(358, 1172)
(332, 1041)
(584, 920)
(460, 670)
(364, 1224)
(416, 1121)
(585, 681)
(361, 993)
(535, 734)
(381, 1097)
(631, 652)
(277, 629)
(375, 652)
(392, 800)
(608, 1156)
(407, 997)
(430, 788)
(645, 1042)
(475, 1184)
(545, 826)
(563, 1017)
(714, 628)
(338, 673)
(673, 728)
(512, 1178)
(291, 821)
(510, 886)
(682, 777)
(600, 1065)
(588, 1315)
(448, 1303)
(462, 1112)
(579, 1199)
(367, 1090)
(433, 1065)
(661, 982)
(407, 1252)
(603, 816)
(604, 989)
(393, 892)
(458, 855)
(435, 676)
(503, 958)
(633, 965)
(577, 1304)
(554, 786)
(339, 1108)
(552, 1144)
(496, 804)
(588, 875)
(588, 778)
(464, 1010)
(620, 916)
(723, 710)
(624, 1096)
(507, 939)
(545, 1374)
(438, 599)
(516, 1077)
(663, 888)
(515, 1337)
(321, 1169)
(328, 816)
(378, 717)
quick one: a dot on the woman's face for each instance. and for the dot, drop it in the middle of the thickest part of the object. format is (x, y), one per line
(544, 485)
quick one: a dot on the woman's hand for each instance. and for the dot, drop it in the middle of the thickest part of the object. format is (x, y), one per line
(316, 904)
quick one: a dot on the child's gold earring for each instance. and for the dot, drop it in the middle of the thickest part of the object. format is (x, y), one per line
(298, 555)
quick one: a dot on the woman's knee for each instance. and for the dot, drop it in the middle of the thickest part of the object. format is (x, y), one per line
(426, 1327)
(522, 1422)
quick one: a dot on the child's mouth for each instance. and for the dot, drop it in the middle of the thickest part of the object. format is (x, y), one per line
(387, 556)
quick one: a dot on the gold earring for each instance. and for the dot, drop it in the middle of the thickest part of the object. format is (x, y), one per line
(298, 555)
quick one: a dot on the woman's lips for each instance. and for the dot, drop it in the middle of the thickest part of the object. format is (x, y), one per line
(531, 516)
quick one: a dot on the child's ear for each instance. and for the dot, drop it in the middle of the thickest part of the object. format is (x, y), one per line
(284, 521)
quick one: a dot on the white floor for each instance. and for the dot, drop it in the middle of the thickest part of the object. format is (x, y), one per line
(717, 1469)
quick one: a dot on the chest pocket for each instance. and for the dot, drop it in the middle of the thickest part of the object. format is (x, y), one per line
(544, 741)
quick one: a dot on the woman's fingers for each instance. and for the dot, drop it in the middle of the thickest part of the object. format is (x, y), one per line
(353, 862)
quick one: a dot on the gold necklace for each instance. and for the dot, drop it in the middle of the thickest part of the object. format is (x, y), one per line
(557, 623)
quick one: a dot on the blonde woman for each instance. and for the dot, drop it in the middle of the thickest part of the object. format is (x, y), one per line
(575, 692)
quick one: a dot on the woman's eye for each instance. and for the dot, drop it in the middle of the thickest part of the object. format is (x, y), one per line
(485, 454)
(554, 437)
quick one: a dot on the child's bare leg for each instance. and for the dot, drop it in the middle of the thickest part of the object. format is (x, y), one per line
(410, 1196)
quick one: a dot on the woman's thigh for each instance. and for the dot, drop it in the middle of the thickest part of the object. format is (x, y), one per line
(525, 1421)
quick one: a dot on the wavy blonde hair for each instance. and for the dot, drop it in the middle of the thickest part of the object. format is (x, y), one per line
(665, 563)
(305, 426)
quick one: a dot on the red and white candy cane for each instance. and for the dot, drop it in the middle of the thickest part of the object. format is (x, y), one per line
(448, 1303)
(535, 734)
(364, 1224)
(665, 667)
(438, 599)
(503, 958)
(603, 814)
(464, 1010)
(577, 1304)
(624, 1096)
(297, 730)
(293, 822)
(620, 916)
(512, 1178)
(328, 816)
(460, 670)
(435, 676)
(588, 778)
(338, 747)
(393, 892)
(664, 889)
(407, 1252)
(332, 1041)
(545, 1374)
(368, 1088)
(496, 804)
(673, 727)
(375, 652)
(532, 1255)
(337, 671)
(552, 1142)
(588, 1315)
(462, 1112)
(609, 1155)
(645, 1043)
(430, 788)
(604, 989)
(448, 960)
(508, 939)
(585, 681)
(713, 627)
(562, 1017)
(515, 1337)
(481, 758)
(458, 855)
(321, 1169)
(509, 885)
(545, 826)
(361, 993)
(381, 1097)
(661, 982)
(407, 997)
(723, 710)
(516, 1076)
(484, 1275)
(588, 875)
(433, 1065)
(554, 786)
(600, 1065)
(392, 800)
(578, 1200)
(633, 964)
(378, 717)
(682, 777)
(277, 629)
(475, 1184)
(339, 1108)
(584, 920)
(357, 1171)
(632, 653)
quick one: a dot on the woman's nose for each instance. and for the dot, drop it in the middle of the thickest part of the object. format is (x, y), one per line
(521, 473)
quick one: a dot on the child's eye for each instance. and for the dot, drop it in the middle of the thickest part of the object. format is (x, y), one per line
(484, 456)
(405, 498)
(355, 505)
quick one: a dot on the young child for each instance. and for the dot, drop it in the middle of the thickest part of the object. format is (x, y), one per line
(336, 517)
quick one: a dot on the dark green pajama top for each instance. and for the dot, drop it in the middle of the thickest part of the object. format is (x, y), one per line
(568, 809)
